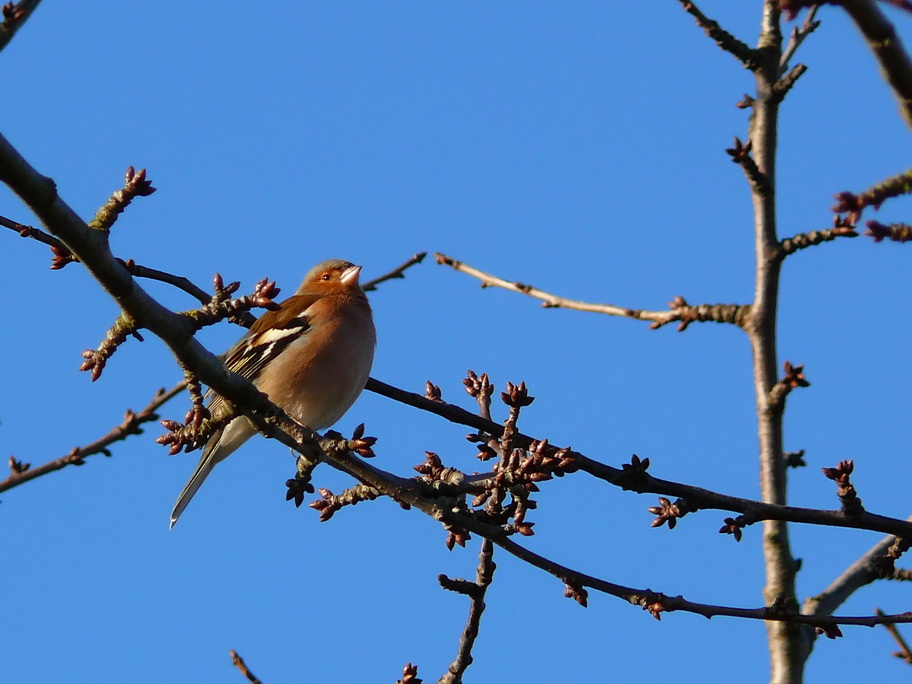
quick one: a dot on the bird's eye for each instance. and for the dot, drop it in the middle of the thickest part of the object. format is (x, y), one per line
(327, 276)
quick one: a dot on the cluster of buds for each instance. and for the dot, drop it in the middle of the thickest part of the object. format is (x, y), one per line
(793, 378)
(733, 526)
(300, 484)
(330, 503)
(851, 504)
(456, 536)
(361, 445)
(410, 675)
(433, 471)
(222, 306)
(198, 412)
(12, 13)
(432, 392)
(655, 607)
(192, 435)
(740, 154)
(62, 257)
(135, 185)
(633, 475)
(18, 467)
(669, 512)
(479, 387)
(516, 396)
(576, 591)
(95, 359)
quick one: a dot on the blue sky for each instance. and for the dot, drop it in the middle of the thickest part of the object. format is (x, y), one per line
(575, 146)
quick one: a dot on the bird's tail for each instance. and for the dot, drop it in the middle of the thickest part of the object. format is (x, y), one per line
(222, 443)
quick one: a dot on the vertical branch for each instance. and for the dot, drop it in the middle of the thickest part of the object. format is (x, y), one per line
(784, 640)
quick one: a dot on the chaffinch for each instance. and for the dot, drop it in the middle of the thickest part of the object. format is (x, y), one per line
(311, 356)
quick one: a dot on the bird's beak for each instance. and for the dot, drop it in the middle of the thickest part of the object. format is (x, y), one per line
(350, 275)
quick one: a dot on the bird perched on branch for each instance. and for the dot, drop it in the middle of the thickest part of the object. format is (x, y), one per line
(312, 356)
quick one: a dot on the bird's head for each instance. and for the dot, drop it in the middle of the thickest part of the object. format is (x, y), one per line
(332, 276)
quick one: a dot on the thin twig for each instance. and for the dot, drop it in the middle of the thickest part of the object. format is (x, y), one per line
(817, 237)
(904, 652)
(398, 272)
(135, 269)
(797, 38)
(681, 311)
(742, 52)
(130, 426)
(476, 591)
(239, 663)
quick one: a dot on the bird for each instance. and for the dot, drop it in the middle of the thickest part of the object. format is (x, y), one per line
(312, 357)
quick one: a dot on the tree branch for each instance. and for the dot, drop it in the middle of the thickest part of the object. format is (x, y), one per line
(681, 311)
(638, 480)
(130, 426)
(398, 272)
(135, 269)
(742, 52)
(476, 592)
(797, 38)
(904, 652)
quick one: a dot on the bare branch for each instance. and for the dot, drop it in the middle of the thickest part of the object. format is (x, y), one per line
(398, 272)
(841, 228)
(135, 269)
(476, 592)
(857, 575)
(797, 38)
(408, 492)
(639, 480)
(785, 84)
(130, 426)
(742, 52)
(135, 185)
(904, 652)
(680, 310)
